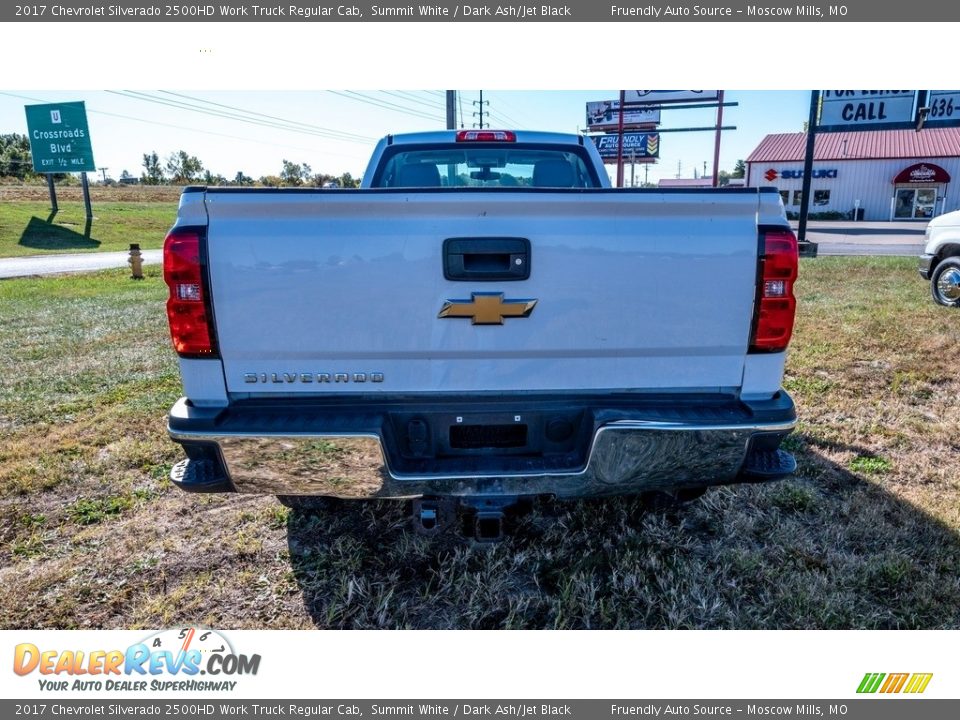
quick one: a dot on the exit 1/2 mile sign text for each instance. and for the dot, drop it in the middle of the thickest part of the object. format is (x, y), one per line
(59, 138)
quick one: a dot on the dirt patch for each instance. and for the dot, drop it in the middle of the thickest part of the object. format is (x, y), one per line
(74, 193)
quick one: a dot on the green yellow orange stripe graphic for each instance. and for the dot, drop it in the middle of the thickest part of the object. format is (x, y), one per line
(888, 683)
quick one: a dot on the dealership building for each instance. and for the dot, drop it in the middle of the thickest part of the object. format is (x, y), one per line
(885, 174)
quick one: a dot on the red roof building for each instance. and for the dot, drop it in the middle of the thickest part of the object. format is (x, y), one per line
(886, 174)
(864, 144)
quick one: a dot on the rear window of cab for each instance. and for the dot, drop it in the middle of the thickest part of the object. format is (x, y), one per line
(485, 166)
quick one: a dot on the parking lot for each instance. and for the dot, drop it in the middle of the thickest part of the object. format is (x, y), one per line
(866, 238)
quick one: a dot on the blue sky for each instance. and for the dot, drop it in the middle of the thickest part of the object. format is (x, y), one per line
(334, 131)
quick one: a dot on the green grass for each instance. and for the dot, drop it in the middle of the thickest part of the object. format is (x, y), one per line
(26, 227)
(870, 465)
(88, 512)
(866, 535)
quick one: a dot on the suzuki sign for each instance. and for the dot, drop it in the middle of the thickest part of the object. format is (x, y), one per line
(821, 174)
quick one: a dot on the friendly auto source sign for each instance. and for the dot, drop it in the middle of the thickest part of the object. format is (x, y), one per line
(635, 145)
(59, 138)
(854, 109)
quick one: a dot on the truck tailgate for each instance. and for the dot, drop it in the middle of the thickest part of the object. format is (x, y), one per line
(341, 291)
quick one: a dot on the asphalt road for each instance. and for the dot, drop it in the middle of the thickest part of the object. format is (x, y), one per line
(70, 263)
(866, 238)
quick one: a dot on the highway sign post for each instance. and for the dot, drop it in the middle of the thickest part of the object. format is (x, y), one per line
(60, 143)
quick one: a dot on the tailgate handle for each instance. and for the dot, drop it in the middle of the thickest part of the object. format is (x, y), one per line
(480, 259)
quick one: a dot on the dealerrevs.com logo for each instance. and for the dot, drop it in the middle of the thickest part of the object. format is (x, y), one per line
(168, 660)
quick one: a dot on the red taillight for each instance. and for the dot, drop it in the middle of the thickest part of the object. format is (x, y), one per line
(776, 306)
(186, 306)
(486, 136)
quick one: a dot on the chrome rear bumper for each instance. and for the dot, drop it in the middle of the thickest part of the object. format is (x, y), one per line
(628, 455)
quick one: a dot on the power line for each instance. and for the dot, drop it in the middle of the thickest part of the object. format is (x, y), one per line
(501, 101)
(360, 97)
(509, 120)
(145, 97)
(271, 117)
(501, 120)
(409, 97)
(501, 116)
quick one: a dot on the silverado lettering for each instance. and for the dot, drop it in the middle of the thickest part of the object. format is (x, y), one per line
(302, 377)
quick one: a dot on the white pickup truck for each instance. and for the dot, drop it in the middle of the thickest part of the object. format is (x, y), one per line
(483, 322)
(940, 261)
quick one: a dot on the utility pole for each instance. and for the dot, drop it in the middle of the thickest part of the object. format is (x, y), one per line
(451, 109)
(806, 247)
(716, 140)
(482, 112)
(104, 171)
(452, 125)
(678, 169)
(620, 140)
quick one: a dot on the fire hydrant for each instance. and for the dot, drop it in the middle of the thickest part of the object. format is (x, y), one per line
(136, 261)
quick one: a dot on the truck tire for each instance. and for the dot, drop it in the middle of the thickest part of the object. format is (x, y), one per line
(309, 503)
(945, 283)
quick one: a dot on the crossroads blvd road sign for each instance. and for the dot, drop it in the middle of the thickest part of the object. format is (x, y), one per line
(59, 138)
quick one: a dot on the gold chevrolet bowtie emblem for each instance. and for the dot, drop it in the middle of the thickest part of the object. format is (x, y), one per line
(486, 308)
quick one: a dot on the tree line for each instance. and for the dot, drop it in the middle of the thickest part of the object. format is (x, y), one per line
(178, 168)
(182, 168)
(16, 160)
